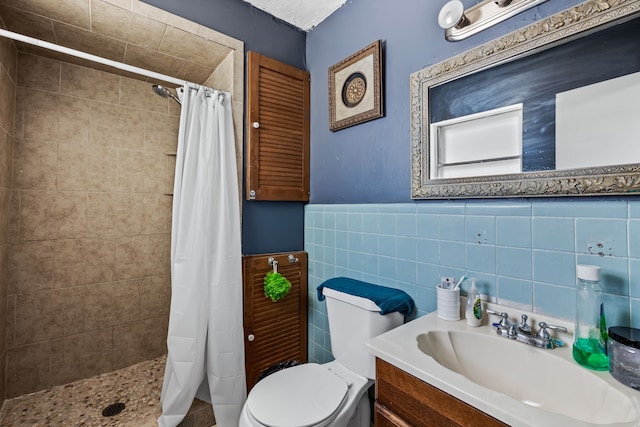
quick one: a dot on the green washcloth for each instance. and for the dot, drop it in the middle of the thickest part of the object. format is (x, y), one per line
(276, 286)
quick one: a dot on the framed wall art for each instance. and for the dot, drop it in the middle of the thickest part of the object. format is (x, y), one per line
(355, 88)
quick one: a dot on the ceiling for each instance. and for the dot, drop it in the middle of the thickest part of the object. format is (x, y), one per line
(304, 14)
(124, 31)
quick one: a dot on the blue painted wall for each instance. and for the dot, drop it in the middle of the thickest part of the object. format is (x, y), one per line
(266, 226)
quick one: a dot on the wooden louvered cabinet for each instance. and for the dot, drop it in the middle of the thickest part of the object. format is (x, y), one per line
(277, 130)
(275, 332)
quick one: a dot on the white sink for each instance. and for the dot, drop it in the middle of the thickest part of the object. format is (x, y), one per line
(521, 385)
(532, 376)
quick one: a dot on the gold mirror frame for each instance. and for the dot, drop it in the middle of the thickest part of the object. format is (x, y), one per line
(607, 180)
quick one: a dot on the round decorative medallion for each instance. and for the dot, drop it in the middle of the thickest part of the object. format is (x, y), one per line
(354, 89)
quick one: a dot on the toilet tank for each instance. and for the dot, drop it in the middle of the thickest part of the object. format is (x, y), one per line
(352, 322)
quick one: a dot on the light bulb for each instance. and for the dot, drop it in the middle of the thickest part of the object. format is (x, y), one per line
(451, 14)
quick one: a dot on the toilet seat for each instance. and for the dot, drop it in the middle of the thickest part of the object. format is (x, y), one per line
(301, 396)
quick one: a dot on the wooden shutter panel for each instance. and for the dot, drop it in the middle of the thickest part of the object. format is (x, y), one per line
(278, 130)
(274, 331)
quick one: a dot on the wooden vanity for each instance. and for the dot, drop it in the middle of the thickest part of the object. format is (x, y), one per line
(403, 400)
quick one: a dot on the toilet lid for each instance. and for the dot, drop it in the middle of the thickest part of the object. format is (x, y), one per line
(300, 396)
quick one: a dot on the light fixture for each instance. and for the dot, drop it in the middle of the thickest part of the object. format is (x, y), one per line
(459, 24)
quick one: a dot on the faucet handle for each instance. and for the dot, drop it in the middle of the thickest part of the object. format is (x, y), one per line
(504, 322)
(523, 326)
(544, 334)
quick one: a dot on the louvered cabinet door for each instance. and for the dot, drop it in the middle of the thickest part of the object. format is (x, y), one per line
(274, 331)
(278, 130)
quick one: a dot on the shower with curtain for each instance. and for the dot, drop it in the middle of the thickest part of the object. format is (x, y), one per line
(205, 340)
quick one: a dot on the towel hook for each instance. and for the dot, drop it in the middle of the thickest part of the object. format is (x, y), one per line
(273, 263)
(292, 259)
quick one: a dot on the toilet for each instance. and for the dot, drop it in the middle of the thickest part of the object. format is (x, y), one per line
(332, 394)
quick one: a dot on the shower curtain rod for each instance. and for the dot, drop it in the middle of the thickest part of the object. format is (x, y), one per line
(93, 58)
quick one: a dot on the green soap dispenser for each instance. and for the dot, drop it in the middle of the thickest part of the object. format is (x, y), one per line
(590, 343)
(473, 313)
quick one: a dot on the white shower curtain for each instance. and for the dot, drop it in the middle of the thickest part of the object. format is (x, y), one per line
(205, 336)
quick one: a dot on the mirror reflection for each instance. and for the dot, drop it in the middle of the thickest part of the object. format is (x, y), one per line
(574, 97)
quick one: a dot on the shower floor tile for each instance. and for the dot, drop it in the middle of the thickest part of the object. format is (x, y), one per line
(81, 403)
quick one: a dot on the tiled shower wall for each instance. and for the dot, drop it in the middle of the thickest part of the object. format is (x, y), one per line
(89, 228)
(8, 78)
(523, 253)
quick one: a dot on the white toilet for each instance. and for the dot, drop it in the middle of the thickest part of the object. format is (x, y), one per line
(335, 393)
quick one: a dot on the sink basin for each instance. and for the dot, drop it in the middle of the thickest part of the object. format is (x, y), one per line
(533, 376)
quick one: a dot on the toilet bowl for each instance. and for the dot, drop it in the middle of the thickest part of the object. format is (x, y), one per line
(309, 395)
(335, 393)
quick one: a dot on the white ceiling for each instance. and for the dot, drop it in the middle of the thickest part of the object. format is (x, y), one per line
(304, 14)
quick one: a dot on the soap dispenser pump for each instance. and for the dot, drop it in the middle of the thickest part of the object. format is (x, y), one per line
(473, 313)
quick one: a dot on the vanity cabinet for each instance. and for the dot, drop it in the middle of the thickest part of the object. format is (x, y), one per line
(403, 400)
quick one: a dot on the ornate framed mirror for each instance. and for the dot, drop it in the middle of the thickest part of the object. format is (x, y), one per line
(551, 70)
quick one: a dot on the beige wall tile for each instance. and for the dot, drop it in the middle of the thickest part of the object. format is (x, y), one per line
(52, 215)
(28, 369)
(10, 325)
(181, 44)
(160, 15)
(18, 129)
(138, 94)
(56, 117)
(167, 257)
(44, 315)
(83, 261)
(7, 101)
(193, 72)
(155, 296)
(114, 214)
(138, 341)
(9, 57)
(80, 356)
(222, 76)
(139, 256)
(75, 12)
(154, 172)
(131, 174)
(34, 165)
(88, 83)
(170, 176)
(4, 276)
(131, 28)
(160, 132)
(109, 304)
(5, 195)
(14, 216)
(125, 4)
(38, 72)
(6, 154)
(117, 126)
(27, 23)
(156, 218)
(141, 172)
(3, 322)
(87, 41)
(152, 60)
(86, 167)
(30, 267)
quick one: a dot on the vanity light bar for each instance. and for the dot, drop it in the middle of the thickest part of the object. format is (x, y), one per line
(460, 24)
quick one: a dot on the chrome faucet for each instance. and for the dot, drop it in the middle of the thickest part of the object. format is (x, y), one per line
(522, 331)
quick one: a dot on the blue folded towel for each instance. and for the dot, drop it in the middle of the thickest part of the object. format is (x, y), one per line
(388, 299)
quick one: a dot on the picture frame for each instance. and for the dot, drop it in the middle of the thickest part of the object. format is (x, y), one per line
(355, 88)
